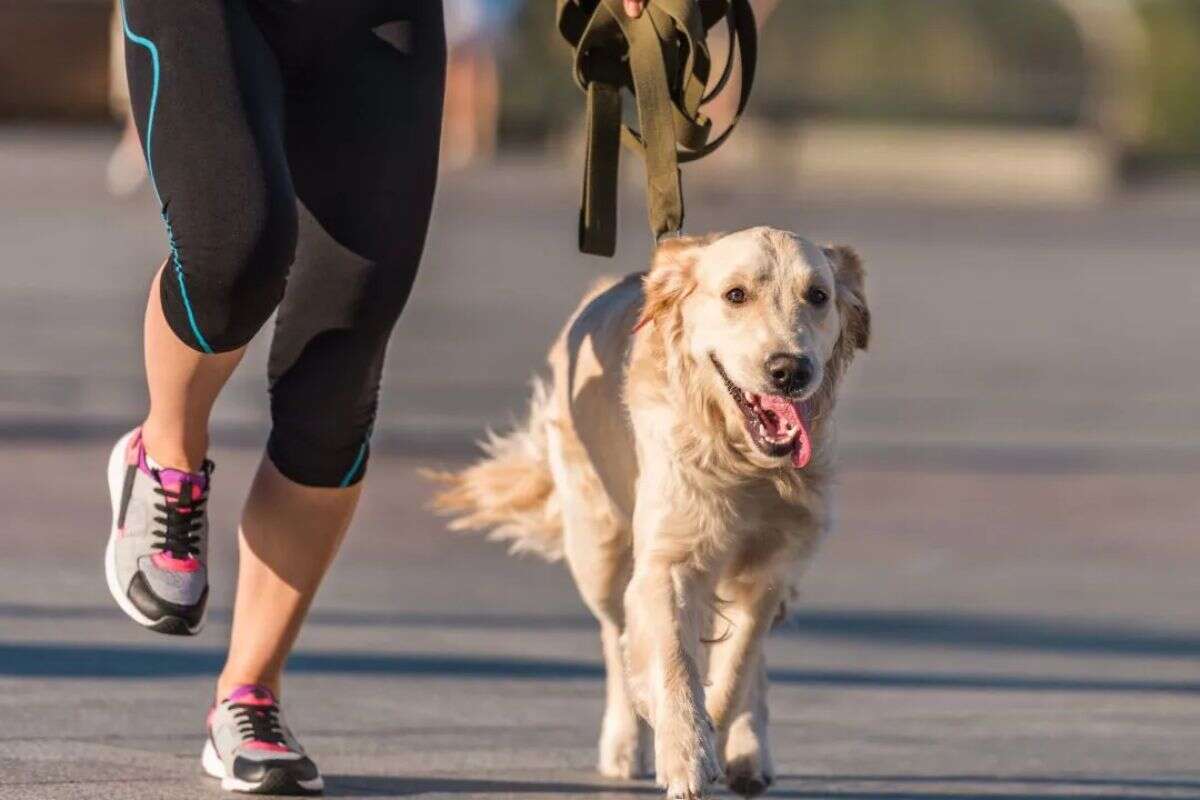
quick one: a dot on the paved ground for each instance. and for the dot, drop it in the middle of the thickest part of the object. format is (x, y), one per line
(1010, 609)
(968, 634)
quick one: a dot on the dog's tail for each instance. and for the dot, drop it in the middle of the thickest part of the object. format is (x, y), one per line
(509, 491)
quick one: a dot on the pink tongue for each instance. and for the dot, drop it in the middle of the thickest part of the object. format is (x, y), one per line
(787, 412)
(802, 452)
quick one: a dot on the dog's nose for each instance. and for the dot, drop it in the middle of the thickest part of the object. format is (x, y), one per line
(789, 373)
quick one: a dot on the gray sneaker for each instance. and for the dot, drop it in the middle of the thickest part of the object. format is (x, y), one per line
(251, 749)
(155, 561)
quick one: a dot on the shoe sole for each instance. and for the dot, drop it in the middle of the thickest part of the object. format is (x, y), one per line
(276, 781)
(173, 626)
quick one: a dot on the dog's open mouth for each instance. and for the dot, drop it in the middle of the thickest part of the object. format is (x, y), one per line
(775, 424)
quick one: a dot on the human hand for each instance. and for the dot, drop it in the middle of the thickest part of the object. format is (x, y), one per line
(634, 8)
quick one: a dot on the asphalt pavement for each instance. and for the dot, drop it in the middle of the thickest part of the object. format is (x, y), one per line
(1008, 610)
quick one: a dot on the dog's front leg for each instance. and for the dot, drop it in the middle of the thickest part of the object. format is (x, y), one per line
(737, 679)
(749, 769)
(663, 610)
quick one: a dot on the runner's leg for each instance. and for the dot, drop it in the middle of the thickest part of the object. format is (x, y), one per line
(207, 96)
(363, 145)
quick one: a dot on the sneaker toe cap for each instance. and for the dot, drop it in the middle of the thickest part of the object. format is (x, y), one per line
(155, 606)
(255, 769)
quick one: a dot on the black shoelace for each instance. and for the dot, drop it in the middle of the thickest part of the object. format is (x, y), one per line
(258, 723)
(182, 517)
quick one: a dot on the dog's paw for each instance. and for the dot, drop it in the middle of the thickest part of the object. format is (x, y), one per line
(745, 777)
(748, 767)
(687, 765)
(624, 749)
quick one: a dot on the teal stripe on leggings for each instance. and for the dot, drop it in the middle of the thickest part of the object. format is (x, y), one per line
(175, 260)
(355, 467)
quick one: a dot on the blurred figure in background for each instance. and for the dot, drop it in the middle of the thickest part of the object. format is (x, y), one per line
(475, 32)
(127, 166)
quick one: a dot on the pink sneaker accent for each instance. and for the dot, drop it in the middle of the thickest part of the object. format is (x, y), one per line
(135, 453)
(254, 695)
(251, 694)
(169, 478)
(168, 562)
(172, 480)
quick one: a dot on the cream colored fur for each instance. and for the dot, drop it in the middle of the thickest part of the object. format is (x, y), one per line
(683, 537)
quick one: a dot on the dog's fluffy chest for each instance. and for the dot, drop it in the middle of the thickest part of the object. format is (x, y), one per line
(751, 521)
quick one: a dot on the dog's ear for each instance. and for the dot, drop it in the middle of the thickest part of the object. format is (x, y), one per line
(851, 294)
(670, 278)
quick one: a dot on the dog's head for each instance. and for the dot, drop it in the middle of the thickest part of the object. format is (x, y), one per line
(767, 322)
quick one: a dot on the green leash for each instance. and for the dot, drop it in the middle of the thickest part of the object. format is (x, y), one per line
(662, 57)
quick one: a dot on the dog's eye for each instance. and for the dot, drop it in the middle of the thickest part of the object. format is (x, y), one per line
(816, 296)
(736, 295)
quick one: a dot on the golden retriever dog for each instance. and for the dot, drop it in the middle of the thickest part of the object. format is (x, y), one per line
(681, 460)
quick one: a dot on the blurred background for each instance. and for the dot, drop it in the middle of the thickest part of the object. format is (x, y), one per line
(1021, 176)
(1013, 587)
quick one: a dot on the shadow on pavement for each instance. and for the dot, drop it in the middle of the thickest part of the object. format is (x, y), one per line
(892, 787)
(383, 786)
(990, 794)
(879, 627)
(45, 660)
(1072, 781)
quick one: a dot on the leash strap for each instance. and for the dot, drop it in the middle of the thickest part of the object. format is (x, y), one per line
(598, 209)
(661, 57)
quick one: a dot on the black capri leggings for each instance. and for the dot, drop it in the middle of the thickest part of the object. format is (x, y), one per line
(293, 145)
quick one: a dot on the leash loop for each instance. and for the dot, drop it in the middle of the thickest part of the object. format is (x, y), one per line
(662, 58)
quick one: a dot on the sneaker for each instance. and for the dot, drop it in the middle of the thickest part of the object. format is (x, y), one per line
(155, 559)
(251, 749)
